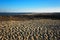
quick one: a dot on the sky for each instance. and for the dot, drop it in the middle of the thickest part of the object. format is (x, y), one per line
(29, 5)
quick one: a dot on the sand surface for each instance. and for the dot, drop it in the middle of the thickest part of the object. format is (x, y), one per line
(14, 28)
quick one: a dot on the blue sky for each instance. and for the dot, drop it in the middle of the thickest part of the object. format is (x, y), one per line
(29, 5)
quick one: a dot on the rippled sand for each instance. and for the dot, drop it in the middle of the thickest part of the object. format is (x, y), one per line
(35, 29)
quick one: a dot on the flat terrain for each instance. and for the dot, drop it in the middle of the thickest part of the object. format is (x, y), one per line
(29, 28)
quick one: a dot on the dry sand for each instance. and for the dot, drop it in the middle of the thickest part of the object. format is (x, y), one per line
(19, 28)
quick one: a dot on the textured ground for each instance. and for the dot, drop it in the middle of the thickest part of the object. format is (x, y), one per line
(36, 29)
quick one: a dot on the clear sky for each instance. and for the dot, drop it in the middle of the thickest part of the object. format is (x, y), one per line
(29, 5)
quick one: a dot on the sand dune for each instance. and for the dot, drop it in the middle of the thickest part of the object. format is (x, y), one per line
(29, 28)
